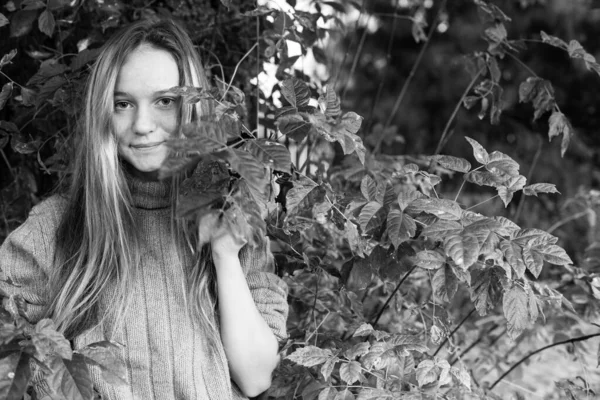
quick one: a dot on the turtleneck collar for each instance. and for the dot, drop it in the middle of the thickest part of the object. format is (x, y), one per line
(148, 194)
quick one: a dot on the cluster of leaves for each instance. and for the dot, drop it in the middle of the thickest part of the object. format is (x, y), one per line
(38, 362)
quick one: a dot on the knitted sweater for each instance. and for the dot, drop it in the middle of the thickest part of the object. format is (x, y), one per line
(165, 354)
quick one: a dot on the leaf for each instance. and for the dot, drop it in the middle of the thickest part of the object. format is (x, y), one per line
(246, 165)
(296, 92)
(508, 188)
(310, 356)
(46, 22)
(515, 306)
(486, 288)
(407, 196)
(47, 339)
(345, 394)
(444, 284)
(426, 372)
(555, 255)
(559, 124)
(3, 21)
(499, 164)
(401, 227)
(15, 373)
(536, 188)
(534, 261)
(330, 102)
(351, 372)
(226, 3)
(358, 350)
(271, 153)
(5, 94)
(363, 330)
(368, 214)
(368, 188)
(7, 58)
(328, 366)
(77, 382)
(540, 93)
(553, 41)
(429, 259)
(484, 178)
(328, 393)
(293, 126)
(453, 163)
(463, 249)
(481, 155)
(513, 253)
(441, 229)
(441, 208)
(104, 354)
(345, 132)
(462, 376)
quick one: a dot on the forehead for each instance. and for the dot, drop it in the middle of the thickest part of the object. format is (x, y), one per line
(147, 69)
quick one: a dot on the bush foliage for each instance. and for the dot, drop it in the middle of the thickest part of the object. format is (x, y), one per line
(395, 280)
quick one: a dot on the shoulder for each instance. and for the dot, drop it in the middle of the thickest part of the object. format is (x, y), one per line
(38, 231)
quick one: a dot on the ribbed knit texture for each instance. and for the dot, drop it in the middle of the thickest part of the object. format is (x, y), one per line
(164, 351)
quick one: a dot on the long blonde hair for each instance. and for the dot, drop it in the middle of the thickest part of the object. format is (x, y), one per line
(97, 244)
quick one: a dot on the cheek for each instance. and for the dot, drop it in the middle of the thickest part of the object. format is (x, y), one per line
(170, 122)
(120, 126)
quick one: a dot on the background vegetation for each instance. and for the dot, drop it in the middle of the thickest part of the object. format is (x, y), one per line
(407, 277)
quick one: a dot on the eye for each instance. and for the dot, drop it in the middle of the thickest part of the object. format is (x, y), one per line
(166, 102)
(121, 105)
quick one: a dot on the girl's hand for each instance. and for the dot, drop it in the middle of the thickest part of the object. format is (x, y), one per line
(225, 237)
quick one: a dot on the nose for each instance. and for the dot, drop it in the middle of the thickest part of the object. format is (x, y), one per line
(144, 121)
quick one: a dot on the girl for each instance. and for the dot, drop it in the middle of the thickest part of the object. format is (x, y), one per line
(107, 259)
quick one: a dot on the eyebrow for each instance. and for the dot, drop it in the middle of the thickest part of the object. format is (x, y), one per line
(155, 94)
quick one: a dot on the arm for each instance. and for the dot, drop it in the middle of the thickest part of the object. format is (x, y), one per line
(253, 308)
(26, 256)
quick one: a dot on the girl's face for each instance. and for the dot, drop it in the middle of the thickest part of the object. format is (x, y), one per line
(145, 113)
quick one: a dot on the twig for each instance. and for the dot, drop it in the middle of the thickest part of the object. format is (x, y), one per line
(454, 331)
(572, 340)
(388, 57)
(445, 134)
(7, 163)
(236, 68)
(337, 75)
(476, 342)
(415, 66)
(392, 295)
(485, 201)
(568, 219)
(529, 176)
(356, 58)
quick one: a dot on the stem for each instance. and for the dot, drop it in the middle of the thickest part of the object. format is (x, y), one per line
(413, 70)
(568, 219)
(392, 295)
(7, 77)
(388, 57)
(572, 340)
(236, 68)
(356, 58)
(454, 331)
(483, 202)
(337, 75)
(445, 133)
(536, 157)
(476, 342)
(7, 163)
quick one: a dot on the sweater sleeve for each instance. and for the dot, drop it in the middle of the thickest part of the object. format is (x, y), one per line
(268, 290)
(26, 258)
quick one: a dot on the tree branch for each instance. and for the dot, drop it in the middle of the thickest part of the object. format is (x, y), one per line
(392, 295)
(572, 340)
(454, 331)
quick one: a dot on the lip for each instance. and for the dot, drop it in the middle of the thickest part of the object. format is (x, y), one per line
(144, 146)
